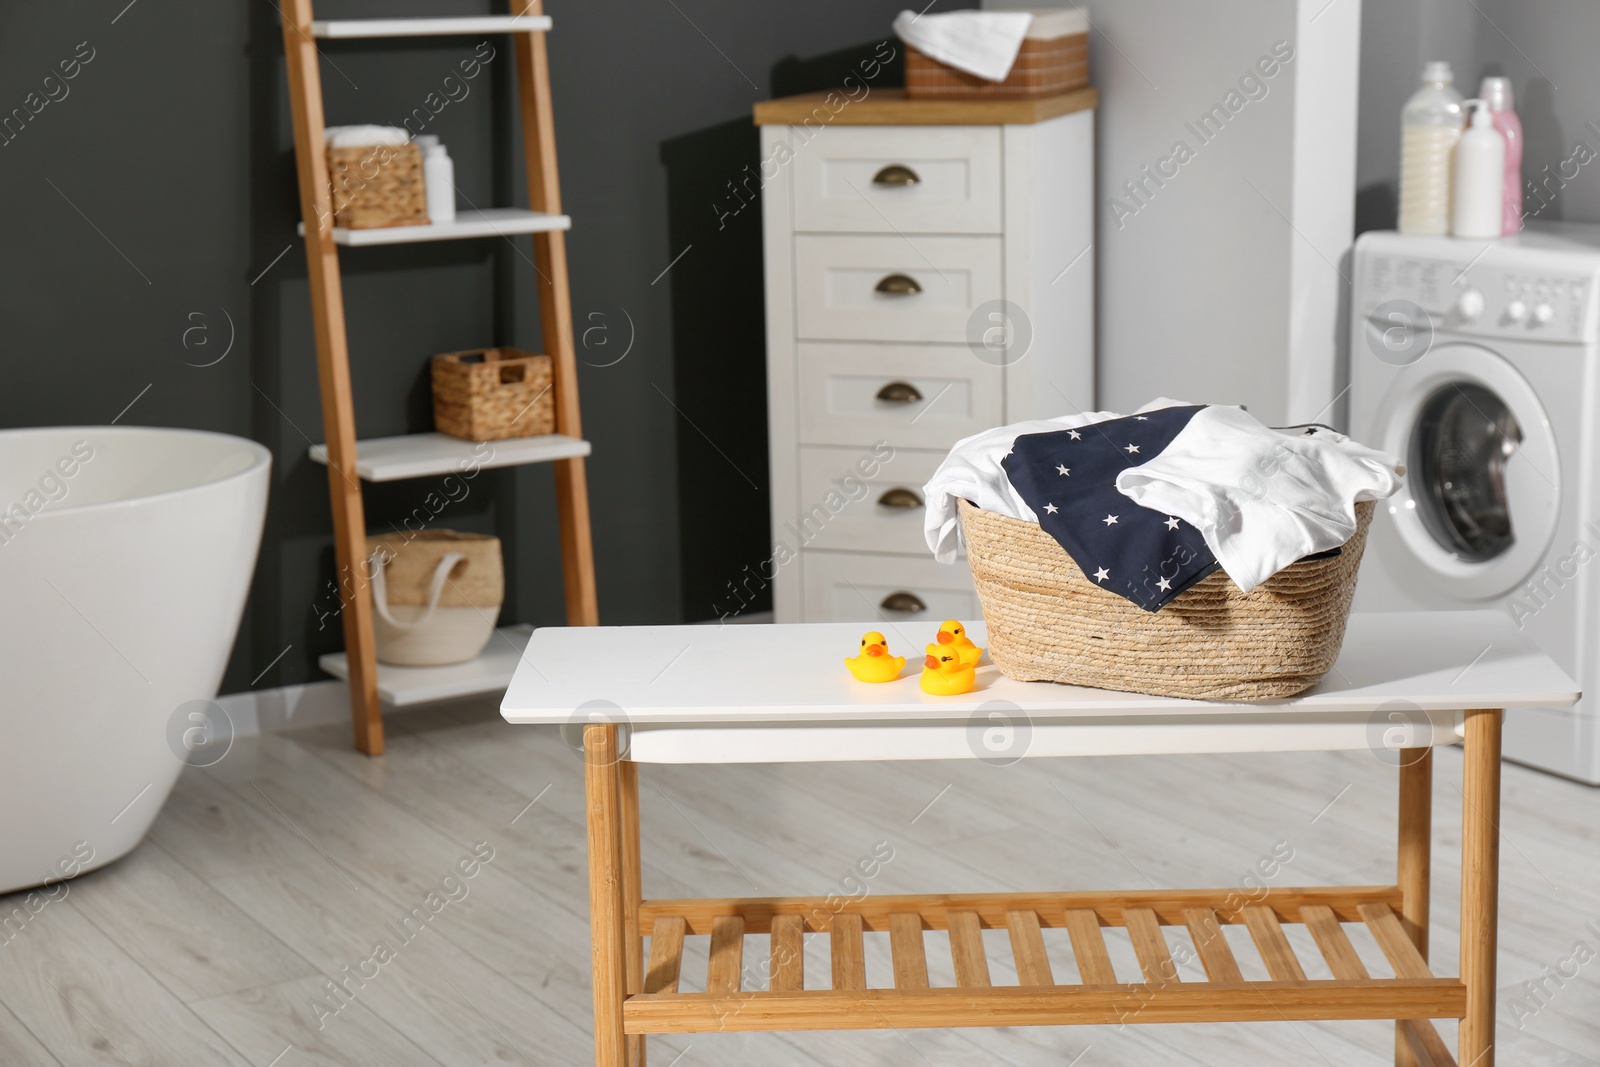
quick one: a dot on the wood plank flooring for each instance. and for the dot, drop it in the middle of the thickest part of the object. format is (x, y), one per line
(298, 904)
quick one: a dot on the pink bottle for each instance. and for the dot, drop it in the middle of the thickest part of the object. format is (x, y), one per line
(1496, 95)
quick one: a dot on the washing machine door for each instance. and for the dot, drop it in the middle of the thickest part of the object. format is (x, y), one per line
(1482, 487)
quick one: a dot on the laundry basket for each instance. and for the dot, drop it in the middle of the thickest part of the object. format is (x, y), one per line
(1047, 622)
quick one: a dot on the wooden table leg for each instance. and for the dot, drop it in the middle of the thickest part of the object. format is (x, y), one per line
(632, 893)
(1414, 865)
(1480, 883)
(602, 777)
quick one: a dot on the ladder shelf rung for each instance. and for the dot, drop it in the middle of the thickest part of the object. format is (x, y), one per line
(490, 222)
(355, 29)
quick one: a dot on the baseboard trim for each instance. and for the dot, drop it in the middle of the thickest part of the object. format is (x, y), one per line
(285, 707)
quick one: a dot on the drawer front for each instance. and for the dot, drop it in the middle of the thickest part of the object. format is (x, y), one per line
(893, 288)
(882, 513)
(845, 586)
(927, 396)
(928, 179)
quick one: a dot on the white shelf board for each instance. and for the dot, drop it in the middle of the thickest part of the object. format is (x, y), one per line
(418, 455)
(491, 672)
(337, 29)
(490, 222)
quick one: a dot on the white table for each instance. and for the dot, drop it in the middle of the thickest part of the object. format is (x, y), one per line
(735, 694)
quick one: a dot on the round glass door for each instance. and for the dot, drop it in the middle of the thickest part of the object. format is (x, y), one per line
(1464, 437)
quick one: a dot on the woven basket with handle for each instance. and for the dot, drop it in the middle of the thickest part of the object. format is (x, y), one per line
(1047, 622)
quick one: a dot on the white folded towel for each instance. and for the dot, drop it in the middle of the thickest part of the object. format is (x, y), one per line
(1261, 498)
(364, 136)
(984, 43)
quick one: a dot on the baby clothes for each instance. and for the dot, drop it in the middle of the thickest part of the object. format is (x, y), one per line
(1262, 498)
(1068, 478)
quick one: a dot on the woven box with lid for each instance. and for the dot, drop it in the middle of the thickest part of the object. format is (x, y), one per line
(488, 394)
(1054, 58)
(1048, 623)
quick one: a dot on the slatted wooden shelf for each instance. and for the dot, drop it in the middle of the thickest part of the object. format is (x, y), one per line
(744, 994)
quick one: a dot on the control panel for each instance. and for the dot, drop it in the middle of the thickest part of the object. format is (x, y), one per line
(1469, 296)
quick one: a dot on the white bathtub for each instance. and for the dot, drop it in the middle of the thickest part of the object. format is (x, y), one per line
(125, 558)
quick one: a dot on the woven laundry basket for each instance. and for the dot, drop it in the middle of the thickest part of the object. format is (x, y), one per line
(436, 595)
(1047, 622)
(1054, 58)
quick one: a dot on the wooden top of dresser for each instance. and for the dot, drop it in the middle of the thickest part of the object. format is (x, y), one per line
(889, 107)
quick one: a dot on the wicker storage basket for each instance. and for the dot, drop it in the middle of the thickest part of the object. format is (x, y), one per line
(1047, 622)
(1044, 67)
(377, 185)
(488, 394)
(436, 593)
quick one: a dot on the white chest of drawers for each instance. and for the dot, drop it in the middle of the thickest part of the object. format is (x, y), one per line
(929, 274)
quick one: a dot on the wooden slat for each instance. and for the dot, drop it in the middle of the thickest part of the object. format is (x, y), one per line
(666, 955)
(727, 955)
(1089, 947)
(303, 68)
(602, 782)
(1276, 953)
(1480, 881)
(1413, 867)
(1215, 954)
(890, 107)
(905, 945)
(849, 963)
(1336, 947)
(1425, 1044)
(1176, 1002)
(1150, 945)
(1391, 936)
(555, 315)
(966, 950)
(788, 954)
(991, 908)
(1027, 946)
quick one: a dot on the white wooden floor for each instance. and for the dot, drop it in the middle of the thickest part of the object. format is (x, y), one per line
(288, 862)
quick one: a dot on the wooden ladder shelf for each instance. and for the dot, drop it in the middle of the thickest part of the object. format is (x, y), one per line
(741, 994)
(527, 25)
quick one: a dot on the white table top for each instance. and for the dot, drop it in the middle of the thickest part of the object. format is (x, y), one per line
(792, 674)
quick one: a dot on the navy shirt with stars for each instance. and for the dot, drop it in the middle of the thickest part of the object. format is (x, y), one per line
(1068, 478)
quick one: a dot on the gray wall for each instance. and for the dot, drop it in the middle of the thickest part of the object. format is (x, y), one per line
(157, 194)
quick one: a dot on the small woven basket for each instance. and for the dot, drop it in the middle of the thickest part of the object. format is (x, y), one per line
(1049, 623)
(489, 394)
(1043, 67)
(377, 185)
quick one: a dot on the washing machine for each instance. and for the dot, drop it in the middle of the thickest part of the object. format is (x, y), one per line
(1476, 363)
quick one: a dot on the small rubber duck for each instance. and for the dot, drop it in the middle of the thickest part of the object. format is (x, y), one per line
(953, 633)
(945, 674)
(874, 664)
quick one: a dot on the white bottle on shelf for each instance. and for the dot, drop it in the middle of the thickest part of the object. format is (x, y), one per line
(1431, 125)
(1480, 178)
(439, 178)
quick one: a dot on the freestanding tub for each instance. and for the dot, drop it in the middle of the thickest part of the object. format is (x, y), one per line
(125, 558)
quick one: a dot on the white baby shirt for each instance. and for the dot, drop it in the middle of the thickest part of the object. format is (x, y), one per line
(1261, 498)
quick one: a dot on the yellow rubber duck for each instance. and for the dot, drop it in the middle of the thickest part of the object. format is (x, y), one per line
(874, 664)
(944, 674)
(953, 633)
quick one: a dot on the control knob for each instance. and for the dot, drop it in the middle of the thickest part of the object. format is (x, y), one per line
(1469, 305)
(1516, 311)
(1544, 315)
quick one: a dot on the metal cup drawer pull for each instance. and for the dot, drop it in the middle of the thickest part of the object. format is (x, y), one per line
(900, 498)
(896, 174)
(897, 285)
(903, 601)
(900, 393)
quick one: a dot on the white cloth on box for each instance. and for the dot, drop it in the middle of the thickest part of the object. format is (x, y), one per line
(364, 136)
(972, 471)
(1261, 498)
(984, 43)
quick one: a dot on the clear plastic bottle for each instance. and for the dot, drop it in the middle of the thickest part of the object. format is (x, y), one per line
(1430, 127)
(1496, 93)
